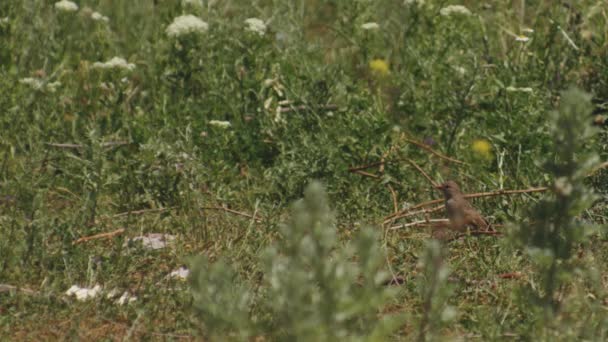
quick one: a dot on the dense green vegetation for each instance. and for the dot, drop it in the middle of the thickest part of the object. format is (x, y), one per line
(209, 120)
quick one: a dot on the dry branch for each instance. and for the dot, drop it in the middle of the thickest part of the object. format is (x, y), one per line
(394, 197)
(425, 223)
(366, 174)
(10, 288)
(363, 167)
(405, 212)
(99, 236)
(429, 149)
(75, 146)
(256, 218)
(421, 171)
(143, 211)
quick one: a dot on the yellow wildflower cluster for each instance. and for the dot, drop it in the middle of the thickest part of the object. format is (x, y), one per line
(379, 67)
(482, 148)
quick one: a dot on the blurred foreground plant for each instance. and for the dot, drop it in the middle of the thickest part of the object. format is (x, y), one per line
(555, 232)
(434, 292)
(313, 289)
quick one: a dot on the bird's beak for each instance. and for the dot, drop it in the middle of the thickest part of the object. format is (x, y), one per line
(439, 187)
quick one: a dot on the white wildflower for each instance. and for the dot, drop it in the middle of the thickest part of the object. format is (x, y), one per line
(512, 89)
(39, 84)
(83, 293)
(256, 25)
(153, 240)
(186, 24)
(66, 6)
(52, 86)
(454, 9)
(99, 17)
(522, 39)
(35, 83)
(181, 273)
(460, 70)
(114, 63)
(125, 299)
(370, 26)
(4, 21)
(112, 293)
(220, 124)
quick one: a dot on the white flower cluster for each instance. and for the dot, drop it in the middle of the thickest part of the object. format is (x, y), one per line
(153, 240)
(4, 21)
(454, 9)
(86, 293)
(114, 63)
(66, 6)
(186, 24)
(125, 298)
(181, 273)
(370, 26)
(256, 25)
(83, 293)
(220, 124)
(523, 37)
(512, 89)
(99, 17)
(38, 84)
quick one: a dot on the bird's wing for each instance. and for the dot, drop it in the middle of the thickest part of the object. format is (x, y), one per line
(479, 222)
(474, 218)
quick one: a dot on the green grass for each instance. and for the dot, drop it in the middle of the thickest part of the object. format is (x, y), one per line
(303, 104)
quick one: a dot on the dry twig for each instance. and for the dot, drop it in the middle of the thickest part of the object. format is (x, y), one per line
(421, 171)
(10, 288)
(426, 223)
(429, 149)
(143, 211)
(253, 217)
(403, 213)
(366, 174)
(394, 196)
(99, 236)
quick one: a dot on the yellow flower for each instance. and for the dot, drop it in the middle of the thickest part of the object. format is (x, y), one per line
(482, 148)
(379, 66)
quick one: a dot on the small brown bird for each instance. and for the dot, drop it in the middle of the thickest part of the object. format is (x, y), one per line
(461, 213)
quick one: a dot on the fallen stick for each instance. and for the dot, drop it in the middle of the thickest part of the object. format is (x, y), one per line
(414, 213)
(99, 236)
(9, 288)
(510, 275)
(394, 197)
(421, 171)
(363, 167)
(143, 211)
(74, 146)
(393, 217)
(258, 219)
(431, 222)
(429, 149)
(366, 174)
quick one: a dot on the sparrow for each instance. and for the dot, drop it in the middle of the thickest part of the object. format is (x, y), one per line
(461, 213)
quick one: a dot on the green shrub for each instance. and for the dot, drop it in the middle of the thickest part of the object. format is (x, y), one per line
(312, 288)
